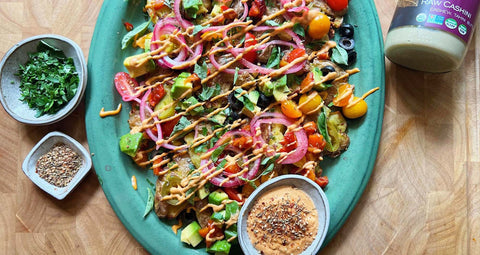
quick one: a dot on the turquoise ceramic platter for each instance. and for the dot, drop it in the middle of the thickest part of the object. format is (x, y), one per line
(348, 174)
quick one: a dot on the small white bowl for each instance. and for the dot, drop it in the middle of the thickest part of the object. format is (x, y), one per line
(41, 148)
(10, 83)
(297, 181)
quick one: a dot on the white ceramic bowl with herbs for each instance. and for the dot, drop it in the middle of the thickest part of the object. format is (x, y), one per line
(20, 96)
(75, 156)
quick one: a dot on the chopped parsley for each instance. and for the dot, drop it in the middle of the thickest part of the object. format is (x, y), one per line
(48, 81)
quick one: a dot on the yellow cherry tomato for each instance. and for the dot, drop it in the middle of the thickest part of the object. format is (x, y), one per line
(309, 103)
(355, 111)
(319, 26)
(290, 109)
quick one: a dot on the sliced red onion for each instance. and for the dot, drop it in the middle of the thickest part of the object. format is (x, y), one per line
(302, 139)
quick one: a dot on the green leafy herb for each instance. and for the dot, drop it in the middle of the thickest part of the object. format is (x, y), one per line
(181, 125)
(322, 126)
(339, 55)
(149, 206)
(48, 81)
(137, 31)
(216, 153)
(274, 59)
(202, 148)
(190, 102)
(298, 29)
(204, 131)
(222, 164)
(191, 7)
(246, 99)
(272, 23)
(201, 70)
(209, 91)
(198, 28)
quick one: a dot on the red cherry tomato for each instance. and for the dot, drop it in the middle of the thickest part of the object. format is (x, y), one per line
(250, 40)
(289, 142)
(167, 127)
(257, 8)
(125, 84)
(233, 194)
(158, 92)
(294, 54)
(337, 5)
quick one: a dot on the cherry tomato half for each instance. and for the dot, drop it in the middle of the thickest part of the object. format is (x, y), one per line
(337, 5)
(319, 26)
(290, 109)
(125, 85)
(250, 40)
(167, 127)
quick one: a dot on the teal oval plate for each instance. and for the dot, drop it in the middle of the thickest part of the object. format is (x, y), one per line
(348, 174)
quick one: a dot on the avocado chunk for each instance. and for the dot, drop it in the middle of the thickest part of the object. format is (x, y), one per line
(203, 192)
(221, 247)
(190, 234)
(139, 65)
(231, 232)
(129, 143)
(180, 86)
(317, 78)
(217, 197)
(231, 209)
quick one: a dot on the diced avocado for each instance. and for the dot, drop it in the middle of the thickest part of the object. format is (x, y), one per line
(190, 234)
(249, 113)
(231, 232)
(253, 96)
(219, 118)
(317, 78)
(129, 143)
(217, 197)
(203, 192)
(192, 101)
(180, 86)
(139, 65)
(221, 247)
(231, 209)
(218, 216)
(169, 111)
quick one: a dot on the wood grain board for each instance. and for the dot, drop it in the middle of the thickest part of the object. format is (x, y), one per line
(423, 196)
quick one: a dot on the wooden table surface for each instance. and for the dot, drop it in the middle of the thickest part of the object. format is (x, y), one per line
(423, 196)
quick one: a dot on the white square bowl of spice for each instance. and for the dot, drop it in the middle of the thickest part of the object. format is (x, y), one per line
(57, 163)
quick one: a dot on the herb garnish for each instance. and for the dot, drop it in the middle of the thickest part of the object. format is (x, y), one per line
(48, 81)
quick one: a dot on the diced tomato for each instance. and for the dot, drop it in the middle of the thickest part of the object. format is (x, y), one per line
(290, 57)
(233, 194)
(307, 82)
(203, 232)
(310, 128)
(316, 141)
(242, 142)
(157, 170)
(322, 181)
(216, 233)
(194, 79)
(323, 56)
(167, 127)
(128, 26)
(310, 174)
(257, 9)
(125, 84)
(289, 142)
(232, 168)
(250, 40)
(158, 92)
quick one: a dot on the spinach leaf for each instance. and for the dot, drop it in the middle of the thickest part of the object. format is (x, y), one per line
(138, 31)
(322, 126)
(274, 59)
(339, 55)
(181, 125)
(216, 153)
(298, 29)
(149, 206)
(272, 23)
(191, 7)
(208, 92)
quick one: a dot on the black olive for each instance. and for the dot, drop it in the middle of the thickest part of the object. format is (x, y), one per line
(233, 116)
(264, 101)
(346, 43)
(235, 104)
(346, 30)
(352, 57)
(327, 69)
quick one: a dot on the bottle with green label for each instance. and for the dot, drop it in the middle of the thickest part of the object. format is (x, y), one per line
(431, 35)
